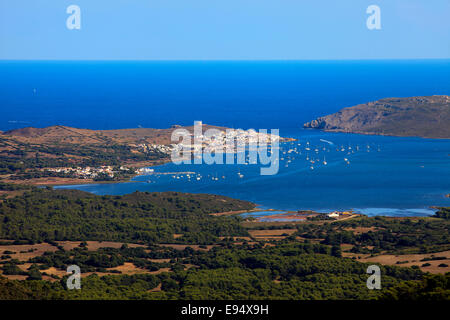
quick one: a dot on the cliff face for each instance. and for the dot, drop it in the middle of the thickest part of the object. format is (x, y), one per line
(427, 117)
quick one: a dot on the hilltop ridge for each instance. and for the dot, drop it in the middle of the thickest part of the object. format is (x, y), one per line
(64, 134)
(427, 117)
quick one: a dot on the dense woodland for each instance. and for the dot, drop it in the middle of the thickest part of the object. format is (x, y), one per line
(286, 269)
(141, 217)
(14, 187)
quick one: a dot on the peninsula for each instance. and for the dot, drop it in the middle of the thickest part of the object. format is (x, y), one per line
(65, 155)
(427, 117)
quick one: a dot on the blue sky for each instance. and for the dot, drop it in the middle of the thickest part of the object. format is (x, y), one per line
(224, 30)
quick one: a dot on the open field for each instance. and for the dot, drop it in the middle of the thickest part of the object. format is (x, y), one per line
(24, 252)
(361, 230)
(256, 224)
(408, 260)
(129, 268)
(276, 234)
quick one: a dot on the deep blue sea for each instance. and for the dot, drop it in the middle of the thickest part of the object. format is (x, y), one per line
(394, 176)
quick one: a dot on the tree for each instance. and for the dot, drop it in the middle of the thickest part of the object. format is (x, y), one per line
(336, 251)
(34, 273)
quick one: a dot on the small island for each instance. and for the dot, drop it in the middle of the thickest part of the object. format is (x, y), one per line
(427, 117)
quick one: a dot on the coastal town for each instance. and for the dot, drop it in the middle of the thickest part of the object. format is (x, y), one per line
(92, 172)
(155, 148)
(222, 141)
(229, 141)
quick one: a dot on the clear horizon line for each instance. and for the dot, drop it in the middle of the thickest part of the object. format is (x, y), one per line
(220, 60)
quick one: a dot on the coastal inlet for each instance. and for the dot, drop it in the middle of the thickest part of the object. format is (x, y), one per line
(324, 172)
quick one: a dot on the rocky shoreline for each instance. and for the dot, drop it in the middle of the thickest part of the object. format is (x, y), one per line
(426, 117)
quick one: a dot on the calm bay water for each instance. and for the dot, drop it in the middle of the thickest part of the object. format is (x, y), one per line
(399, 176)
(382, 176)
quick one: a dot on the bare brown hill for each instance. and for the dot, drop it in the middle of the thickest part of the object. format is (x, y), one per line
(63, 134)
(427, 117)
